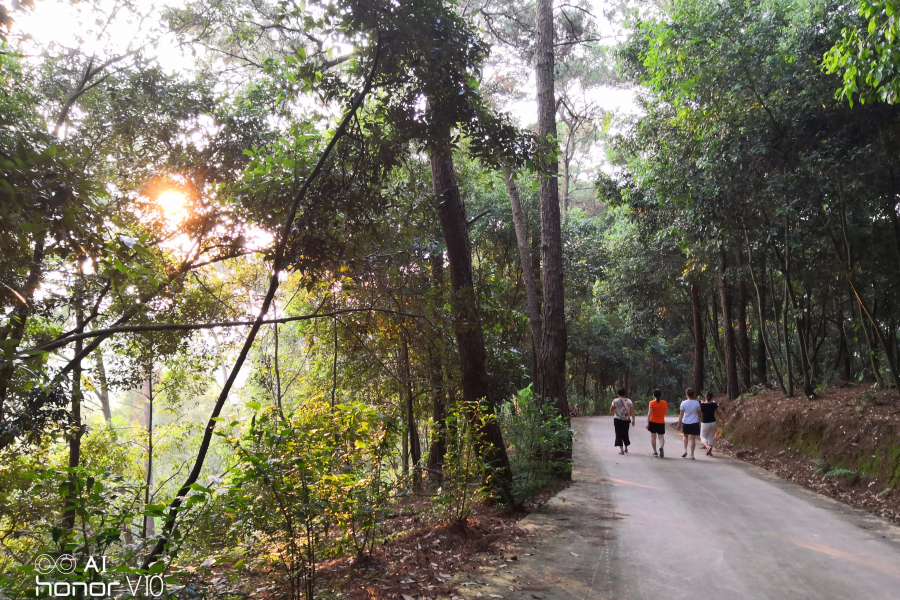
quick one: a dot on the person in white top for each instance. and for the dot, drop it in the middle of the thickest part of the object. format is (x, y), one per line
(623, 408)
(689, 421)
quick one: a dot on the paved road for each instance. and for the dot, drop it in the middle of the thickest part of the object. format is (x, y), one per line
(636, 527)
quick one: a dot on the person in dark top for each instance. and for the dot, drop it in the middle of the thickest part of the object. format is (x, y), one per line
(708, 424)
(623, 408)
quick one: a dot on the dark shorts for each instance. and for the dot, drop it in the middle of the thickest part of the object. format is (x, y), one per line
(691, 428)
(658, 428)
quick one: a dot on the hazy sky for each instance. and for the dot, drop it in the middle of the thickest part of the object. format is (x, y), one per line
(71, 25)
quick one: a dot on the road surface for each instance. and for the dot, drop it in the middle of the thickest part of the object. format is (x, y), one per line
(637, 527)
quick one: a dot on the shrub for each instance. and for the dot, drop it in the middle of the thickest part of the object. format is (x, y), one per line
(302, 478)
(539, 442)
(464, 478)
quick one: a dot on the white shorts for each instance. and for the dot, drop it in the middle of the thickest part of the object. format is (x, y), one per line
(708, 432)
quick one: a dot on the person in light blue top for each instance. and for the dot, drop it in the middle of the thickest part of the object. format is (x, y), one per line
(689, 421)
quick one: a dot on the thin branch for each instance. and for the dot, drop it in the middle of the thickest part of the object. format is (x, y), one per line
(49, 346)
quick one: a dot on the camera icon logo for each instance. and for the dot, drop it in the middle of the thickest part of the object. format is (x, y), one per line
(46, 564)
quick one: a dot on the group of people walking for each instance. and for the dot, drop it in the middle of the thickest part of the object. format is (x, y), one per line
(695, 419)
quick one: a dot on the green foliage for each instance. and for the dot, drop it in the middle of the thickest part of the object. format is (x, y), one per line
(101, 504)
(297, 480)
(868, 54)
(464, 479)
(540, 440)
(842, 472)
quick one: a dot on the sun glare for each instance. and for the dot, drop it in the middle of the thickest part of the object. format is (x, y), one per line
(173, 205)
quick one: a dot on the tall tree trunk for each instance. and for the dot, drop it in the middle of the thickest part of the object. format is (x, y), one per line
(699, 340)
(149, 528)
(743, 334)
(566, 177)
(467, 322)
(103, 394)
(552, 362)
(531, 291)
(788, 366)
(762, 372)
(438, 447)
(415, 448)
(77, 429)
(731, 375)
(847, 356)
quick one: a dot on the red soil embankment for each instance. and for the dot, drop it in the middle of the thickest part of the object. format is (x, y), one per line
(845, 444)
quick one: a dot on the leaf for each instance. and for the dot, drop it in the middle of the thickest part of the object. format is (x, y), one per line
(156, 568)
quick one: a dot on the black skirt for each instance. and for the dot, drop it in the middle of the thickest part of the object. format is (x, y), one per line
(622, 428)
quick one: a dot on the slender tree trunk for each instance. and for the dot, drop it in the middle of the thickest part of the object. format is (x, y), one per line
(531, 291)
(789, 374)
(415, 448)
(77, 428)
(713, 326)
(334, 325)
(790, 300)
(566, 180)
(729, 347)
(863, 307)
(149, 522)
(552, 361)
(846, 363)
(760, 303)
(103, 395)
(438, 446)
(743, 334)
(699, 339)
(762, 372)
(467, 322)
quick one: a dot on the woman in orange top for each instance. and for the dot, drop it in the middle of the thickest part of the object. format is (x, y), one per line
(656, 422)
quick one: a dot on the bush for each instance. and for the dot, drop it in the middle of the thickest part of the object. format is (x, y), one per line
(539, 442)
(463, 481)
(302, 479)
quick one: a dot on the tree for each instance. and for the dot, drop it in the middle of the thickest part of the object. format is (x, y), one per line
(552, 355)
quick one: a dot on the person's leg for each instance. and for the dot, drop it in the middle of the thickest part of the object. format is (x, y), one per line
(617, 423)
(653, 442)
(662, 440)
(625, 438)
(693, 444)
(685, 436)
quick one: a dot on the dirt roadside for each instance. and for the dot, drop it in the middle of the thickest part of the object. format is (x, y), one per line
(844, 444)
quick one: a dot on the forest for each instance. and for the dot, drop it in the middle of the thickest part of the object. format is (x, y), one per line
(338, 254)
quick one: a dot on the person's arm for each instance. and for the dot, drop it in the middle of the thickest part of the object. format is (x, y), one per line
(633, 418)
(680, 418)
(612, 407)
(648, 416)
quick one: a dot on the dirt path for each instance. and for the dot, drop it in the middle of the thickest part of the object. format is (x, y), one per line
(636, 527)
